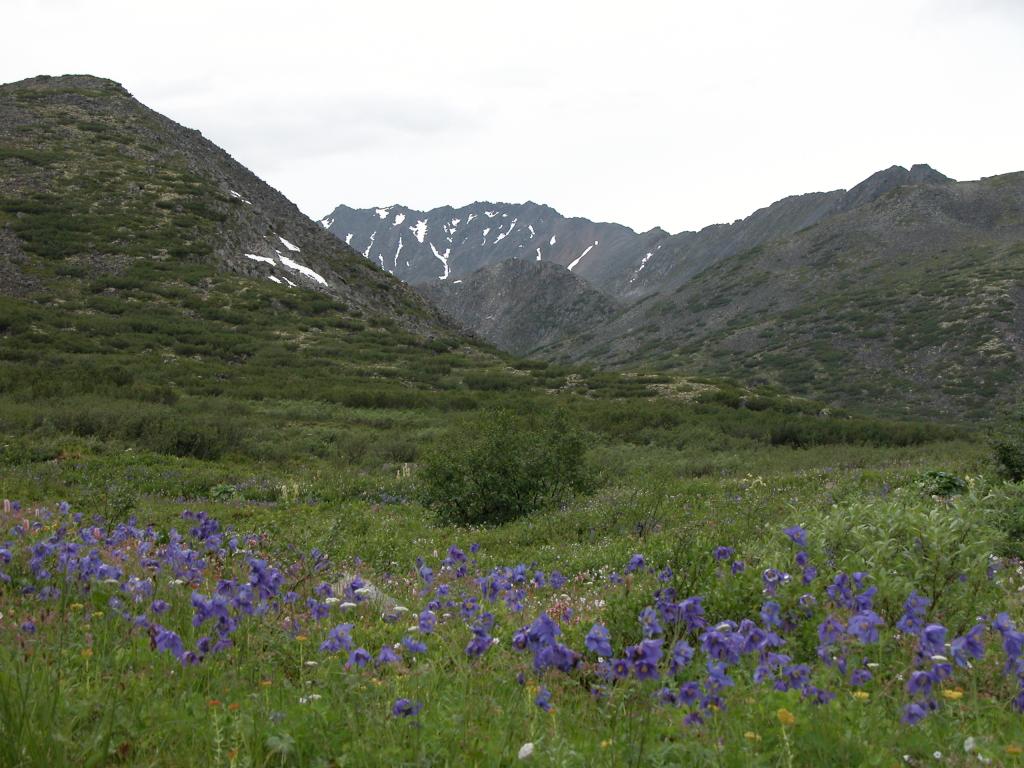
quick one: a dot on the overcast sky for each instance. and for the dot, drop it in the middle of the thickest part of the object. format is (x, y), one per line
(678, 114)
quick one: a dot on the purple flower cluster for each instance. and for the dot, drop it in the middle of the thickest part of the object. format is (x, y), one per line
(189, 594)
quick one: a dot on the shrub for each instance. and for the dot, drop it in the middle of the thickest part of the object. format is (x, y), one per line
(937, 483)
(497, 467)
(1008, 449)
(942, 550)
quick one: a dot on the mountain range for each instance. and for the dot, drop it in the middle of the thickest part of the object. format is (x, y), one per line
(904, 293)
(119, 227)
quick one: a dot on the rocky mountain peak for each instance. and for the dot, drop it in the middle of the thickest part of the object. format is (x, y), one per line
(882, 182)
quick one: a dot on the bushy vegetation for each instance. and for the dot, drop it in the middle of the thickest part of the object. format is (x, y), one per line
(497, 467)
(1008, 448)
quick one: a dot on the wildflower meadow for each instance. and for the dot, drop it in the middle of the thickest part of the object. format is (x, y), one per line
(858, 637)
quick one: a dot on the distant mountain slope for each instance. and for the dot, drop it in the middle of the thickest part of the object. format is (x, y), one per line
(92, 181)
(449, 243)
(913, 301)
(520, 305)
(685, 255)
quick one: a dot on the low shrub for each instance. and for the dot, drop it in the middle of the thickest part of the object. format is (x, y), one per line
(496, 467)
(1008, 448)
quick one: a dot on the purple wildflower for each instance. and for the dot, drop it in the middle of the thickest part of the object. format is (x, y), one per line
(649, 622)
(723, 553)
(968, 646)
(338, 638)
(636, 562)
(682, 654)
(405, 708)
(797, 534)
(412, 645)
(598, 641)
(426, 622)
(864, 626)
(913, 713)
(933, 640)
(360, 657)
(543, 699)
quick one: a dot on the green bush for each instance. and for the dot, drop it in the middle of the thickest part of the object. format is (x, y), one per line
(497, 467)
(937, 483)
(1008, 449)
(942, 550)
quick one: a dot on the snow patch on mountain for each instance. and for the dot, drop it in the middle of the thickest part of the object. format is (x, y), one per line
(420, 230)
(580, 257)
(643, 263)
(289, 246)
(502, 235)
(301, 269)
(443, 259)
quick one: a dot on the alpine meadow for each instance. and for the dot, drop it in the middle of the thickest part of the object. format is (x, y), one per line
(486, 485)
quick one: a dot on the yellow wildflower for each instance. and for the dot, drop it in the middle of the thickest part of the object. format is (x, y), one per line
(861, 695)
(952, 695)
(786, 717)
(606, 743)
(1014, 749)
(87, 653)
(751, 736)
(301, 638)
(76, 606)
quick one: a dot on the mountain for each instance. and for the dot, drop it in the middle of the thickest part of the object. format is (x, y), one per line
(521, 305)
(94, 183)
(910, 302)
(685, 255)
(904, 294)
(157, 296)
(445, 244)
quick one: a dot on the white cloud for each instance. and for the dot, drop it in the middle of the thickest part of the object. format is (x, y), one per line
(654, 113)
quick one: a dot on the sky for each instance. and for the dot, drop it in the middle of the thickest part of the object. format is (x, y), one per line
(647, 113)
